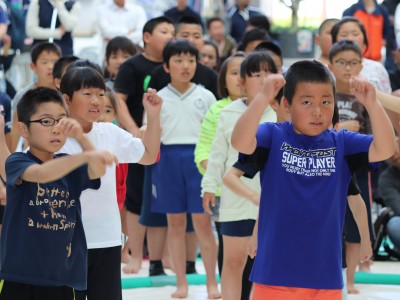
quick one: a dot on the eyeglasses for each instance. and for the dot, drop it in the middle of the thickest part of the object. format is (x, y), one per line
(341, 63)
(47, 122)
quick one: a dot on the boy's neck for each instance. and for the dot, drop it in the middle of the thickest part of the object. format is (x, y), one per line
(323, 59)
(181, 87)
(343, 88)
(41, 83)
(181, 7)
(152, 55)
(43, 156)
(369, 4)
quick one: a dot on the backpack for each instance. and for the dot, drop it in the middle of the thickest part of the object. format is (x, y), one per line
(382, 240)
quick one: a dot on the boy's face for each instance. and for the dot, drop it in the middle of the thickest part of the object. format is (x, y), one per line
(216, 31)
(44, 139)
(324, 39)
(161, 34)
(181, 68)
(344, 65)
(86, 106)
(232, 78)
(191, 32)
(115, 60)
(252, 84)
(252, 45)
(44, 67)
(312, 108)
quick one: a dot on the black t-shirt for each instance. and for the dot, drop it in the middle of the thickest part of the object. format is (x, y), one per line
(132, 80)
(203, 76)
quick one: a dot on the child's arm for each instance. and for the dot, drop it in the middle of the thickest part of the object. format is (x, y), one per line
(4, 152)
(244, 133)
(208, 201)
(389, 101)
(233, 182)
(253, 242)
(151, 139)
(124, 117)
(383, 144)
(359, 211)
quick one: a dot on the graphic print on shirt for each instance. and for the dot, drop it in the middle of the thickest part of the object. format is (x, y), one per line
(52, 210)
(346, 111)
(315, 162)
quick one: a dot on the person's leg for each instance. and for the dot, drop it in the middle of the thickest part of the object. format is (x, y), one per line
(220, 246)
(125, 256)
(14, 290)
(104, 274)
(235, 257)
(208, 248)
(176, 242)
(156, 241)
(136, 234)
(352, 260)
(247, 285)
(192, 244)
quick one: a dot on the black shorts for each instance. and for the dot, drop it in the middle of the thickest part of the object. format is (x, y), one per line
(134, 188)
(10, 290)
(350, 226)
(2, 208)
(242, 228)
(104, 275)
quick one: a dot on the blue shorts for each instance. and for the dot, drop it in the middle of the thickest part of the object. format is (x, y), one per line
(240, 228)
(176, 181)
(154, 219)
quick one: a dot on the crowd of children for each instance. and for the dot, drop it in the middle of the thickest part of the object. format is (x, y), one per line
(281, 163)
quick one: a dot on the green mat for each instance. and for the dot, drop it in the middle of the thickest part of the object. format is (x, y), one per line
(200, 279)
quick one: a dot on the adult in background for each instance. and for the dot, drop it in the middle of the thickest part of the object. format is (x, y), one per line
(119, 18)
(216, 33)
(375, 18)
(53, 21)
(237, 17)
(182, 10)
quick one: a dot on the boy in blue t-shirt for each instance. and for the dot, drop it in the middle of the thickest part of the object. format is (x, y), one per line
(43, 250)
(308, 209)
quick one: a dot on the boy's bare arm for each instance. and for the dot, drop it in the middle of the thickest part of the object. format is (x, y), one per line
(124, 117)
(4, 152)
(388, 101)
(151, 139)
(383, 144)
(244, 134)
(359, 211)
(233, 182)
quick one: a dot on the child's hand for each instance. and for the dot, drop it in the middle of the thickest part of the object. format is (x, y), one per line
(365, 251)
(208, 200)
(272, 85)
(363, 90)
(350, 125)
(70, 128)
(152, 103)
(252, 246)
(102, 157)
(140, 133)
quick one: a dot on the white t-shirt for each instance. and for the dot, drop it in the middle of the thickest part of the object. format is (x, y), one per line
(182, 114)
(100, 213)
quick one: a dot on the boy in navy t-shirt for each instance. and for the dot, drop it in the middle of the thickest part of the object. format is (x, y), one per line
(43, 250)
(305, 181)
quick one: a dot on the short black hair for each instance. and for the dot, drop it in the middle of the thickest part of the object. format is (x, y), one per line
(151, 24)
(326, 22)
(256, 62)
(213, 19)
(279, 96)
(253, 35)
(85, 63)
(344, 20)
(31, 100)
(120, 43)
(77, 78)
(187, 20)
(344, 45)
(41, 47)
(222, 88)
(260, 22)
(269, 46)
(306, 71)
(62, 63)
(179, 46)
